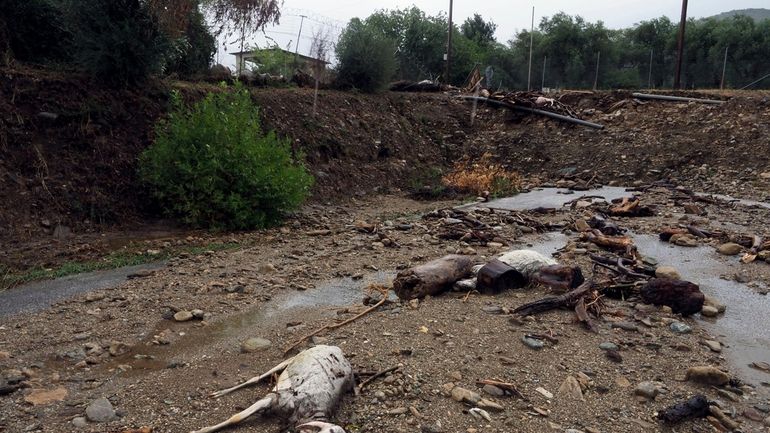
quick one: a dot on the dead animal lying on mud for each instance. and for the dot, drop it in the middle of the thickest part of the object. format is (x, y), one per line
(308, 390)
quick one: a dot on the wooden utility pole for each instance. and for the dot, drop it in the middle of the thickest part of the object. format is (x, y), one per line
(299, 35)
(542, 83)
(596, 77)
(724, 68)
(649, 76)
(680, 49)
(449, 45)
(531, 43)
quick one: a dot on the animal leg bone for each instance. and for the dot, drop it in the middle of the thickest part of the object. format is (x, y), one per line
(260, 406)
(253, 380)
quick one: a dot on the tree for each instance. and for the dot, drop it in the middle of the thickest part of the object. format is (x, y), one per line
(195, 48)
(319, 50)
(479, 31)
(365, 55)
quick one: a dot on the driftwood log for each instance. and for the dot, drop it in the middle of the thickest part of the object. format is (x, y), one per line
(309, 388)
(682, 296)
(432, 278)
(560, 277)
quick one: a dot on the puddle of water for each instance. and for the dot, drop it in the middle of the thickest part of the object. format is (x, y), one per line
(227, 333)
(745, 324)
(39, 295)
(736, 200)
(553, 198)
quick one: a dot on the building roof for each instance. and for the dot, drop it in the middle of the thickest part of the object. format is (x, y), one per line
(252, 53)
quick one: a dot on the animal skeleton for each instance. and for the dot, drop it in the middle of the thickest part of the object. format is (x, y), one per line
(307, 392)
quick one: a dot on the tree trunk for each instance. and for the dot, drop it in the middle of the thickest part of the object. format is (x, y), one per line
(432, 278)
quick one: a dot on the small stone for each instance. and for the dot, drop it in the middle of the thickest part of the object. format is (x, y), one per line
(648, 390)
(608, 346)
(398, 411)
(532, 343)
(198, 314)
(572, 430)
(626, 326)
(94, 296)
(183, 316)
(680, 328)
(766, 422)
(100, 410)
(729, 249)
(667, 272)
(463, 395)
(544, 392)
(255, 344)
(118, 348)
(712, 302)
(489, 405)
(714, 346)
(493, 390)
(39, 397)
(4, 355)
(707, 375)
(456, 376)
(80, 422)
(571, 388)
(684, 240)
(709, 311)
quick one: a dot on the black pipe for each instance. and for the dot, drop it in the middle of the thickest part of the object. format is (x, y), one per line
(676, 98)
(534, 111)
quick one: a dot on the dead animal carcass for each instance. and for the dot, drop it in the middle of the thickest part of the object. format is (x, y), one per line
(683, 297)
(527, 262)
(308, 390)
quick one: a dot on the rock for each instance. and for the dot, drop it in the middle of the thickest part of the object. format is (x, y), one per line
(766, 422)
(626, 326)
(493, 390)
(532, 343)
(753, 414)
(570, 388)
(709, 311)
(118, 348)
(765, 175)
(715, 346)
(39, 397)
(712, 302)
(4, 355)
(255, 344)
(648, 390)
(198, 314)
(684, 240)
(608, 346)
(95, 296)
(683, 297)
(100, 410)
(667, 272)
(729, 249)
(707, 375)
(183, 316)
(463, 395)
(489, 405)
(544, 392)
(80, 422)
(680, 328)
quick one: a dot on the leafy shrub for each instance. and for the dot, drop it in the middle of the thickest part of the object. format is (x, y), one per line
(483, 176)
(213, 166)
(366, 59)
(194, 51)
(118, 42)
(34, 30)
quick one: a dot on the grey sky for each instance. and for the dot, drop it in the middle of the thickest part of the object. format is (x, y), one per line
(510, 16)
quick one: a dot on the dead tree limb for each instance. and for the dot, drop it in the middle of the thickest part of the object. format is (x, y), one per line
(568, 299)
(384, 299)
(376, 376)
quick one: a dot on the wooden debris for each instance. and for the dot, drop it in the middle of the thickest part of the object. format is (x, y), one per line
(376, 376)
(630, 208)
(560, 277)
(496, 276)
(696, 407)
(432, 278)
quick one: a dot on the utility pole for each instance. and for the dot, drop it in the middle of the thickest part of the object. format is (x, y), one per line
(296, 50)
(531, 43)
(680, 49)
(596, 78)
(449, 45)
(724, 68)
(542, 83)
(649, 76)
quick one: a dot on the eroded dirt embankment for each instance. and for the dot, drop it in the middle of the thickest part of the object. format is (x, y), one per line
(68, 150)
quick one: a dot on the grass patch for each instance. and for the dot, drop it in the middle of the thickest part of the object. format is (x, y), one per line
(113, 260)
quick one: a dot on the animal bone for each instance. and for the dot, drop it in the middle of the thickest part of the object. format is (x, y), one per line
(307, 392)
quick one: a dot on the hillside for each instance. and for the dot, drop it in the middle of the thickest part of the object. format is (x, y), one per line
(755, 14)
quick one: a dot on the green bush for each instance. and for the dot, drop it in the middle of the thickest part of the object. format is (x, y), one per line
(213, 166)
(366, 58)
(34, 30)
(118, 42)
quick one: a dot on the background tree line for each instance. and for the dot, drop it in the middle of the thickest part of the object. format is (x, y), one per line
(568, 46)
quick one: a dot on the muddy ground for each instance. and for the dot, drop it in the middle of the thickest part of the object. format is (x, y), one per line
(124, 345)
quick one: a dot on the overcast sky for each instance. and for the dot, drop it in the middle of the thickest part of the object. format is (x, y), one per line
(510, 16)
